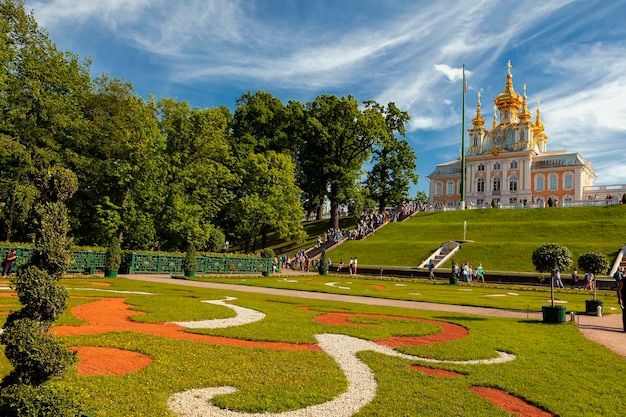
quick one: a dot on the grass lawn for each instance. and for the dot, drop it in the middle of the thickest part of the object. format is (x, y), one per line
(554, 367)
(502, 240)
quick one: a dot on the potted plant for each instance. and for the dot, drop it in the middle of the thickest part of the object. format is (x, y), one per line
(547, 258)
(113, 258)
(322, 267)
(267, 254)
(596, 263)
(191, 261)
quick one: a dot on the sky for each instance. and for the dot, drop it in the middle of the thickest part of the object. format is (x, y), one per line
(569, 53)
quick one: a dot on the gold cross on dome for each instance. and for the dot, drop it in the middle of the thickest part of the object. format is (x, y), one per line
(508, 64)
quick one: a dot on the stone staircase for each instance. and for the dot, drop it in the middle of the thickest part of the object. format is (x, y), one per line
(441, 255)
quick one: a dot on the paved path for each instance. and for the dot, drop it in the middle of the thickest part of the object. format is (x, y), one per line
(606, 330)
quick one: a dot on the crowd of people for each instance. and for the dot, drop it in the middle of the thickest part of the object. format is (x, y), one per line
(466, 273)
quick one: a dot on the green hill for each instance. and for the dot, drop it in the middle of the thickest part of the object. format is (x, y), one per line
(502, 240)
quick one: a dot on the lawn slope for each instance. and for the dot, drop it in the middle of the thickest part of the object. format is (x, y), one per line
(502, 240)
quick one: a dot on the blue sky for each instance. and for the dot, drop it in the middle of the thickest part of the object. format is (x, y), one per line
(570, 54)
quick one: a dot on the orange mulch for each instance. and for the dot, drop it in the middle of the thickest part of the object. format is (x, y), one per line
(8, 294)
(510, 403)
(109, 361)
(101, 284)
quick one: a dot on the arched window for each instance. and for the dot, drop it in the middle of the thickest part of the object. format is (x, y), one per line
(513, 183)
(568, 181)
(480, 185)
(539, 183)
(450, 188)
(553, 181)
(496, 184)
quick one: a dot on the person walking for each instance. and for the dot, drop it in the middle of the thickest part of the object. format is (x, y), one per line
(588, 281)
(431, 269)
(351, 265)
(556, 278)
(480, 273)
(354, 265)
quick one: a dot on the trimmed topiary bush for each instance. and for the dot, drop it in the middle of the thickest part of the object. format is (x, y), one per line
(191, 261)
(36, 354)
(113, 257)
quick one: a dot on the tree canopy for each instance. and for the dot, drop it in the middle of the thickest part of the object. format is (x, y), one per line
(160, 174)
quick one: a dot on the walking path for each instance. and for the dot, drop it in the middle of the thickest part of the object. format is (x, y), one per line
(605, 330)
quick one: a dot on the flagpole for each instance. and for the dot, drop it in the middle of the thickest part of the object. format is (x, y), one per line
(463, 145)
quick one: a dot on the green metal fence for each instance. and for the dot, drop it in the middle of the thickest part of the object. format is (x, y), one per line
(91, 261)
(207, 264)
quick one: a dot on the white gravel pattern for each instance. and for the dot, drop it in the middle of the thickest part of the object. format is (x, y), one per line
(244, 316)
(361, 390)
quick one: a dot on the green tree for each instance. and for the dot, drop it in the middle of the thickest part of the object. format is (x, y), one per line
(394, 166)
(199, 180)
(267, 200)
(339, 140)
(41, 96)
(421, 197)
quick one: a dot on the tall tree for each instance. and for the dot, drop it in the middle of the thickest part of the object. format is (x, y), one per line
(41, 94)
(267, 200)
(339, 140)
(199, 180)
(394, 160)
(118, 161)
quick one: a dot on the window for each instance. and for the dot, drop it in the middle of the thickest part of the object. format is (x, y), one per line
(512, 200)
(514, 165)
(552, 182)
(522, 136)
(480, 185)
(496, 184)
(480, 202)
(496, 166)
(569, 181)
(481, 167)
(438, 188)
(540, 185)
(513, 183)
(450, 188)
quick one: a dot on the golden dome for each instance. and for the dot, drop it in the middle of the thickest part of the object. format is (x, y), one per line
(509, 96)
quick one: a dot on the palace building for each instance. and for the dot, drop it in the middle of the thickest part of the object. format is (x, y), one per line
(509, 164)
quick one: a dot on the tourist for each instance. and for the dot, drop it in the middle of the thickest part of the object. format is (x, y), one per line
(431, 269)
(9, 261)
(351, 265)
(341, 265)
(588, 280)
(556, 278)
(480, 273)
(354, 264)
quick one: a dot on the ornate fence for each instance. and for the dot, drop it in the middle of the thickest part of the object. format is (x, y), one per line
(91, 261)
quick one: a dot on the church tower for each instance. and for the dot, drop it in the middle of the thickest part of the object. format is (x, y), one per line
(508, 101)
